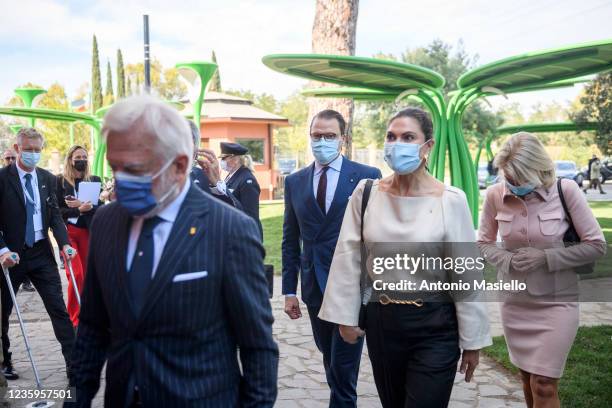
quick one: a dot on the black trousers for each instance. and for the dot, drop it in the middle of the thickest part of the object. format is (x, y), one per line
(38, 265)
(414, 353)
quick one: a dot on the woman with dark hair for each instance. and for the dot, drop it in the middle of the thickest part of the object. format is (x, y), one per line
(77, 215)
(414, 338)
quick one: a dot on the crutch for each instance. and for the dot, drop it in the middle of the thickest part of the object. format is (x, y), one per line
(23, 330)
(70, 251)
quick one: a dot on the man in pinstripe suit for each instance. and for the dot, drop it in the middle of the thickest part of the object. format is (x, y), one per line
(175, 284)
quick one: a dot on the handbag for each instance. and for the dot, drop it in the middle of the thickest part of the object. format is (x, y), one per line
(571, 237)
(364, 281)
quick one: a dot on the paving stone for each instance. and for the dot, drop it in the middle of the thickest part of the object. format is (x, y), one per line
(491, 390)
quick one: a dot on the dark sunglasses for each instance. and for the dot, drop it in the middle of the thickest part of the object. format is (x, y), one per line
(10, 158)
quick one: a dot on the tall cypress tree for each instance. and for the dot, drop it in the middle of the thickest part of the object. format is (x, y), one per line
(120, 76)
(96, 81)
(128, 86)
(215, 81)
(109, 97)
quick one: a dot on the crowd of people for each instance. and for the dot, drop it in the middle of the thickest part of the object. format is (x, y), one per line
(169, 264)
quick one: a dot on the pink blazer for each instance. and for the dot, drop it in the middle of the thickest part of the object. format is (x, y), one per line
(539, 221)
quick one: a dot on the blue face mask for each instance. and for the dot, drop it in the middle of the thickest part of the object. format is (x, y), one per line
(135, 193)
(325, 152)
(522, 190)
(30, 159)
(403, 158)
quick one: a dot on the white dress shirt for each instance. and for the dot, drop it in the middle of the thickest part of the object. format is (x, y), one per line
(38, 224)
(161, 231)
(333, 174)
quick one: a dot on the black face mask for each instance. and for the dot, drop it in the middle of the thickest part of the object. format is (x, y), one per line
(80, 165)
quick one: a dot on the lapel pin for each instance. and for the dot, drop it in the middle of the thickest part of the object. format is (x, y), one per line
(192, 231)
(351, 180)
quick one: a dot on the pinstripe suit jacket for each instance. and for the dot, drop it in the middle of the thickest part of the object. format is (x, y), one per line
(182, 348)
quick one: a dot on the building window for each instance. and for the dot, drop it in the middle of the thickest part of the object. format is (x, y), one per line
(256, 149)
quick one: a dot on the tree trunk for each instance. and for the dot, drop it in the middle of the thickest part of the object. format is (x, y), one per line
(333, 32)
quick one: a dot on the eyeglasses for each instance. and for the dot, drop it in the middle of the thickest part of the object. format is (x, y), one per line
(10, 158)
(329, 137)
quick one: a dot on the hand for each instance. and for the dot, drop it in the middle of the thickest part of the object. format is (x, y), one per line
(69, 252)
(350, 334)
(528, 259)
(9, 259)
(208, 161)
(86, 206)
(469, 362)
(292, 307)
(73, 203)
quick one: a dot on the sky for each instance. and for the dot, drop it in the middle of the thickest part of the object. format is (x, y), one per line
(48, 41)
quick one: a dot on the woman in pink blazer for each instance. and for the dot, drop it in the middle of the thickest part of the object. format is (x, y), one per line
(525, 209)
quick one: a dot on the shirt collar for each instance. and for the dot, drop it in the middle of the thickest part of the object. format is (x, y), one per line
(170, 213)
(22, 172)
(336, 164)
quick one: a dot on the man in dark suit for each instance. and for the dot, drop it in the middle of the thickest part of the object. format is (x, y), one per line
(175, 290)
(315, 201)
(28, 208)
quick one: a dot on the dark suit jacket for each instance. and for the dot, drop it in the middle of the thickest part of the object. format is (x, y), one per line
(181, 350)
(62, 190)
(317, 233)
(13, 210)
(243, 185)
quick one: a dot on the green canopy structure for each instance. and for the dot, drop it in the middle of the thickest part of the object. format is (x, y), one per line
(380, 79)
(547, 127)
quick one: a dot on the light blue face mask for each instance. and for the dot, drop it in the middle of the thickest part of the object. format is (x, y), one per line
(325, 152)
(30, 159)
(521, 190)
(403, 158)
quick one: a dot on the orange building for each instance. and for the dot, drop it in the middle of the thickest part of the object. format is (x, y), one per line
(227, 118)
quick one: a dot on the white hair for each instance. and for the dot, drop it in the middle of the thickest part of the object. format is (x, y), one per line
(155, 117)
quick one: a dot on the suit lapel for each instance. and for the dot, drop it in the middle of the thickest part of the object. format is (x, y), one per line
(180, 242)
(43, 194)
(346, 184)
(16, 183)
(123, 225)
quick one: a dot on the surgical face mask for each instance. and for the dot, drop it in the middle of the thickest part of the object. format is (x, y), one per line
(521, 190)
(135, 193)
(403, 158)
(80, 165)
(325, 152)
(224, 166)
(30, 159)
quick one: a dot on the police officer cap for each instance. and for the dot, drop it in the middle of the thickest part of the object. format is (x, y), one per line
(233, 149)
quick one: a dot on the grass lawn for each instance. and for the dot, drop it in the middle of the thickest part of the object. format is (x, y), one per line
(587, 380)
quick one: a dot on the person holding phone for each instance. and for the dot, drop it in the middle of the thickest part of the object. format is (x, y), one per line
(77, 215)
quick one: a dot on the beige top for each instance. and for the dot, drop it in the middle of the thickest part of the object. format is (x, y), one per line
(390, 218)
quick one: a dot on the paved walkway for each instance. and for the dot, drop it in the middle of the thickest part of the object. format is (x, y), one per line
(301, 375)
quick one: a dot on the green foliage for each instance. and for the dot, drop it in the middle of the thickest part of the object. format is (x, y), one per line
(109, 98)
(96, 81)
(215, 81)
(165, 82)
(372, 117)
(597, 107)
(120, 76)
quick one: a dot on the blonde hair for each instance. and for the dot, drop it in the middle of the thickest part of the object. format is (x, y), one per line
(70, 172)
(247, 161)
(524, 159)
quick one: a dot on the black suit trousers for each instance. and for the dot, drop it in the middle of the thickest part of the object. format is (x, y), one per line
(38, 265)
